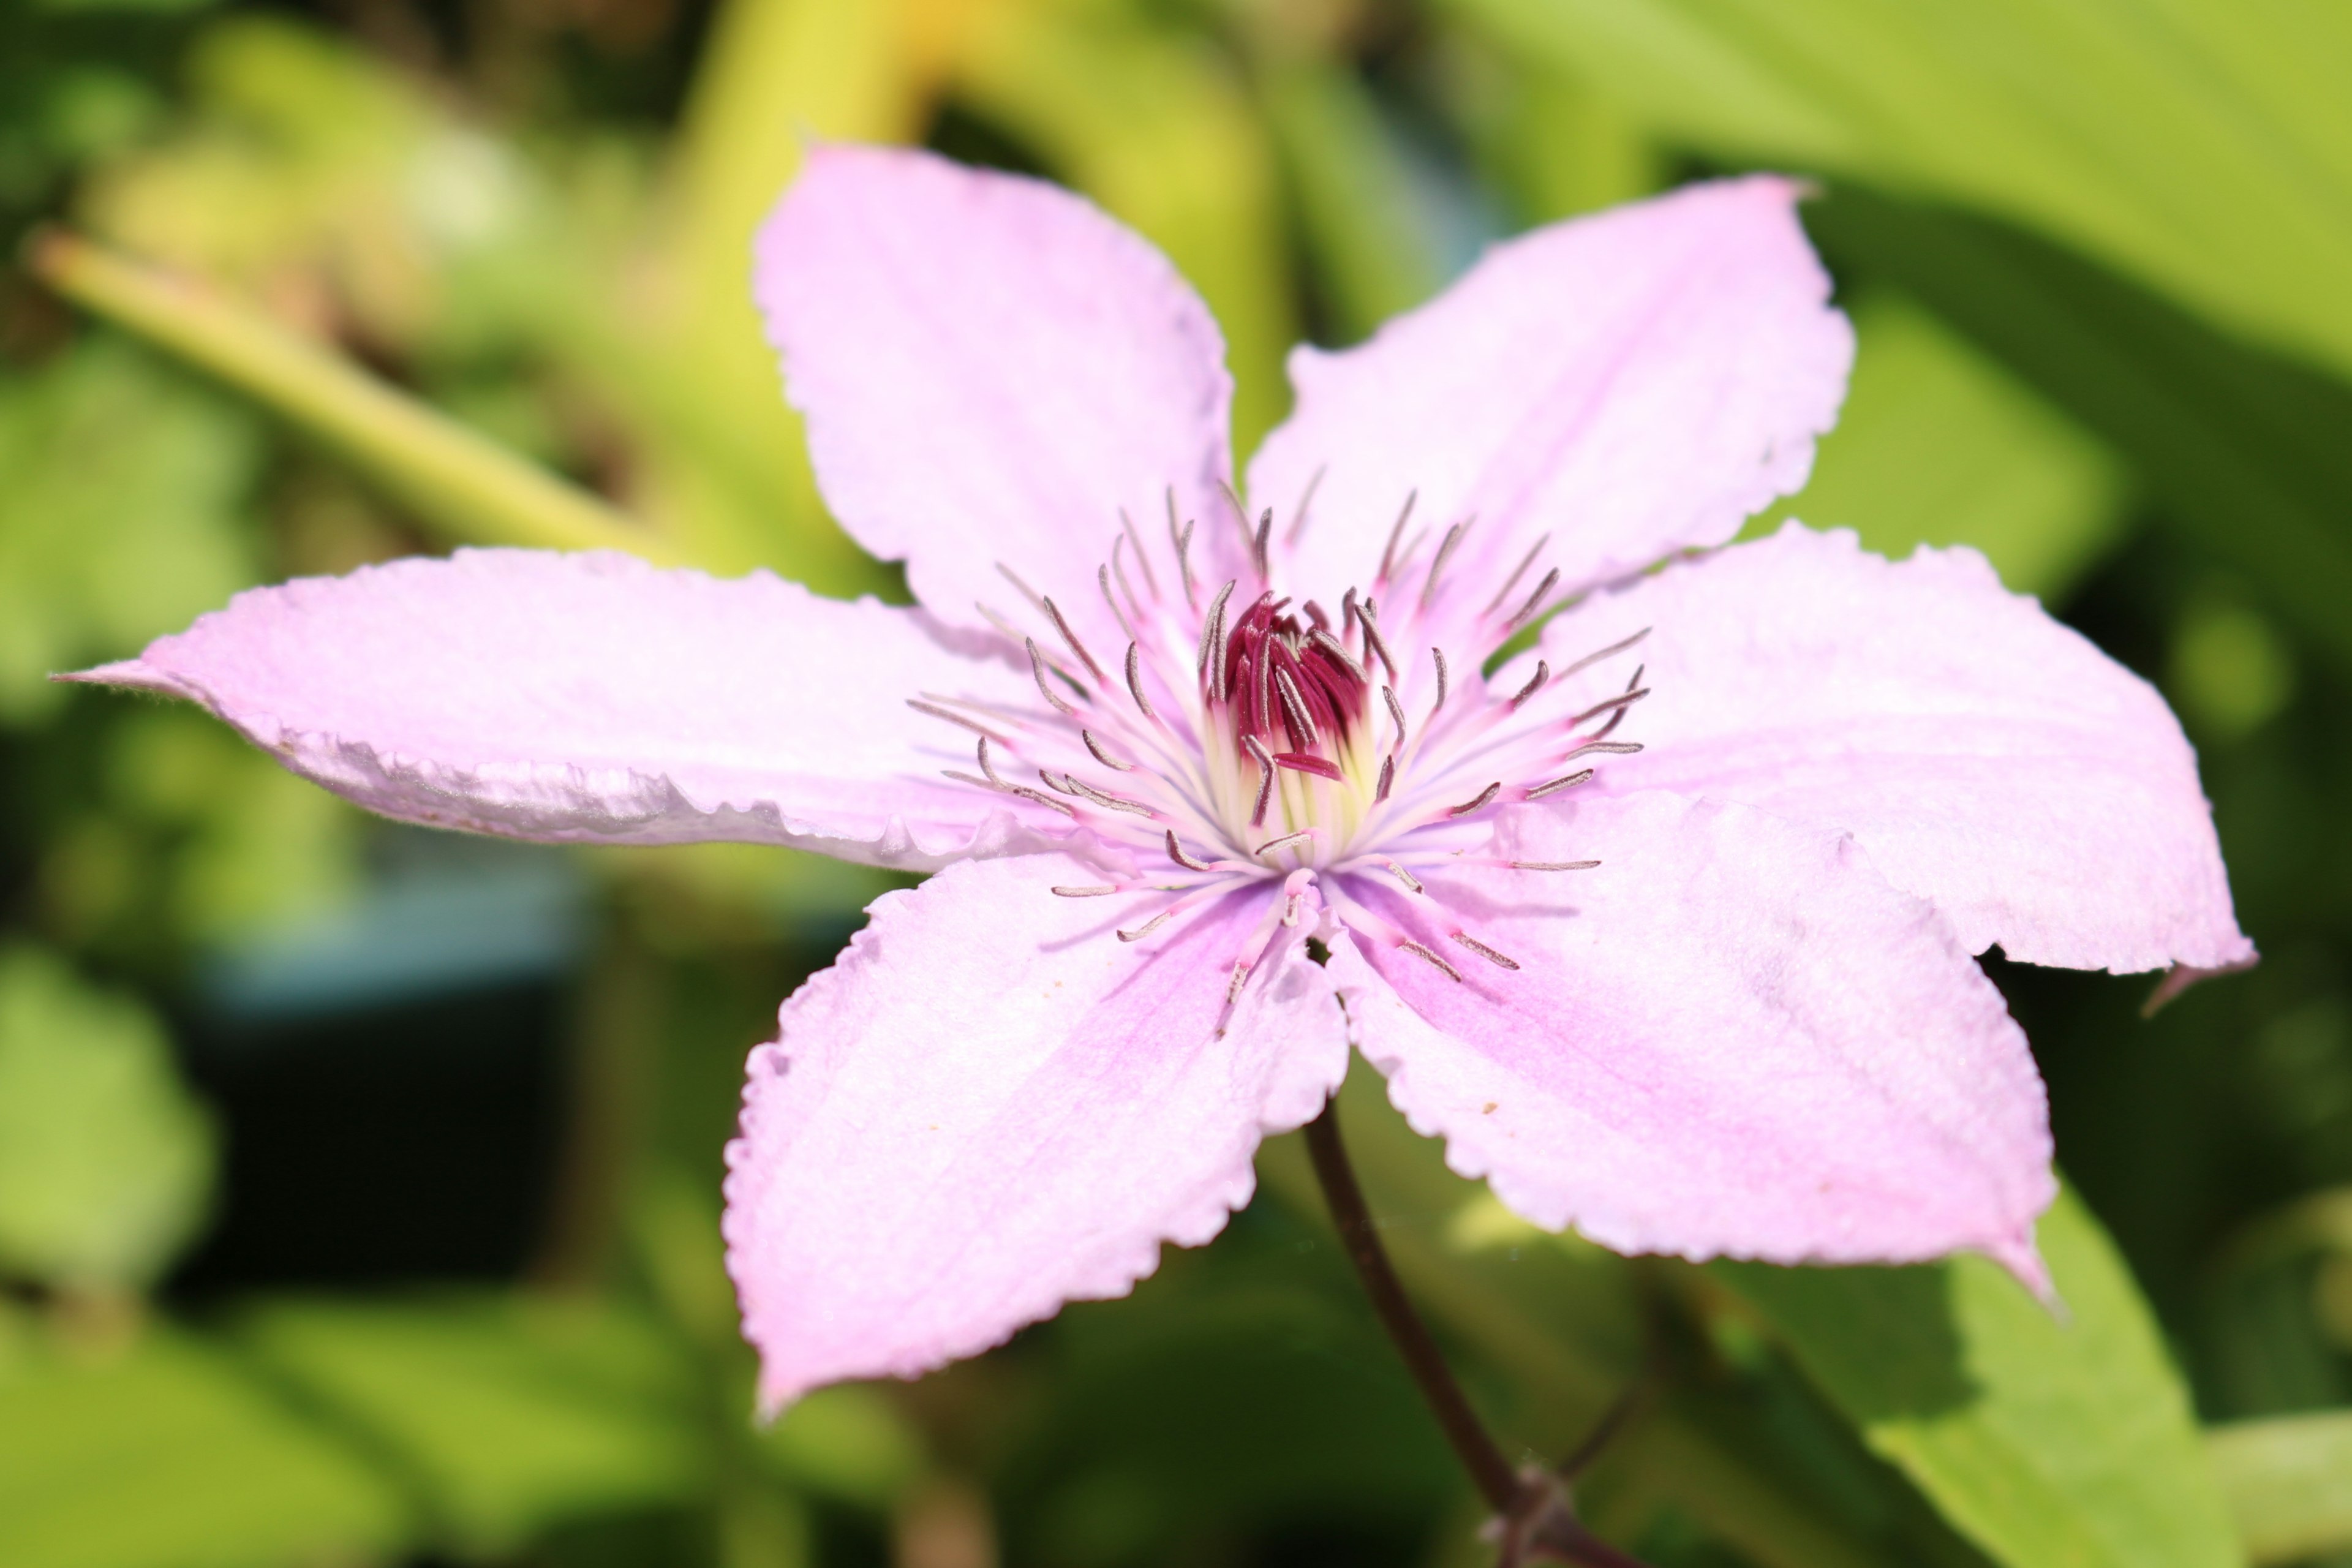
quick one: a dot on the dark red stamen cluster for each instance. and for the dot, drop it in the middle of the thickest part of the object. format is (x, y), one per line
(1297, 693)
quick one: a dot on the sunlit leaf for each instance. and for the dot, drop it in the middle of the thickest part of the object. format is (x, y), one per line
(509, 1413)
(2289, 1483)
(2049, 1438)
(2205, 146)
(122, 489)
(106, 1161)
(1939, 445)
(170, 1455)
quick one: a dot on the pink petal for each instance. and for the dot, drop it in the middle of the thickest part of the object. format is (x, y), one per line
(991, 370)
(594, 696)
(1732, 1039)
(1630, 384)
(1988, 759)
(991, 1106)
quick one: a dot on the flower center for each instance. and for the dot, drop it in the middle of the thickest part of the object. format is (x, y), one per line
(1290, 760)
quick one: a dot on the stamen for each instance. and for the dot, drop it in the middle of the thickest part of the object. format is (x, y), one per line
(1438, 655)
(1570, 782)
(1135, 680)
(1388, 556)
(1387, 777)
(1258, 545)
(1092, 890)
(1443, 968)
(1553, 865)
(1323, 640)
(1305, 498)
(1027, 592)
(1316, 616)
(1477, 802)
(1102, 577)
(1212, 660)
(1444, 553)
(996, 619)
(1284, 842)
(1302, 763)
(1346, 612)
(1620, 703)
(1369, 612)
(1543, 673)
(987, 767)
(1396, 869)
(1396, 712)
(1037, 668)
(1142, 556)
(1062, 781)
(1176, 853)
(1533, 599)
(1234, 989)
(1483, 951)
(1148, 927)
(1517, 572)
(1183, 542)
(952, 717)
(1024, 791)
(1105, 758)
(1071, 637)
(1265, 761)
(1302, 725)
(1079, 787)
(1616, 647)
(1610, 748)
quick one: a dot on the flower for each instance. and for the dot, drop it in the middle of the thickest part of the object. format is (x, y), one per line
(1666, 925)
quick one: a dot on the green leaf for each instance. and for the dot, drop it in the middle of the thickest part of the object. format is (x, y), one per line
(122, 489)
(2288, 1481)
(106, 1162)
(2241, 454)
(168, 1454)
(507, 1413)
(2052, 1440)
(2205, 146)
(1939, 445)
(460, 480)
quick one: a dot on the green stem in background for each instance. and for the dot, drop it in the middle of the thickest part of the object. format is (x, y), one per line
(1533, 1507)
(461, 484)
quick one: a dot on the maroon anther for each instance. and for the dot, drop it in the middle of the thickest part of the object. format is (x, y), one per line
(1273, 660)
(1302, 763)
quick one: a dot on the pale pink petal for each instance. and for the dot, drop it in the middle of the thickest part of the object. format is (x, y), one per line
(991, 369)
(1731, 1038)
(992, 1106)
(1989, 759)
(1630, 384)
(595, 698)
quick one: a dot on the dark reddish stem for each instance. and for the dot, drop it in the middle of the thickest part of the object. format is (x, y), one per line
(1490, 1472)
(1533, 1507)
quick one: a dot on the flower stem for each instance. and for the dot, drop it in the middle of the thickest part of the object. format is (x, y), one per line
(1497, 1481)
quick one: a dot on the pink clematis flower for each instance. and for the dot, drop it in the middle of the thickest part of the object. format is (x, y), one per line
(1665, 926)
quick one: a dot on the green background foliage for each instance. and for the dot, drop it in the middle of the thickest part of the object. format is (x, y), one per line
(359, 1185)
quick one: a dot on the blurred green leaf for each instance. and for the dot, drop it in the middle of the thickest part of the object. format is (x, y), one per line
(1939, 445)
(123, 491)
(2049, 1438)
(167, 1454)
(2204, 146)
(2288, 1482)
(458, 480)
(848, 1441)
(505, 1413)
(1148, 121)
(106, 1162)
(2242, 454)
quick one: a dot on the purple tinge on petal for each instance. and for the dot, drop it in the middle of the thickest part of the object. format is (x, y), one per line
(1631, 384)
(1731, 1038)
(595, 698)
(991, 1106)
(991, 370)
(1988, 759)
